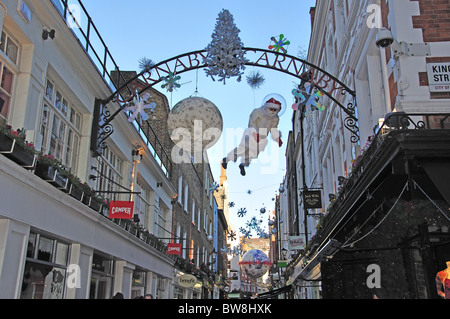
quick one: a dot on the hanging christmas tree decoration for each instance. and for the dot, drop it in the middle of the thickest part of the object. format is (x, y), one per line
(255, 80)
(279, 44)
(139, 107)
(171, 82)
(226, 57)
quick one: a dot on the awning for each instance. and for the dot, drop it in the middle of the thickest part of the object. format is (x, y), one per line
(274, 293)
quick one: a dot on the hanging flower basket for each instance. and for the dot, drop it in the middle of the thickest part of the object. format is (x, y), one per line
(12, 149)
(51, 175)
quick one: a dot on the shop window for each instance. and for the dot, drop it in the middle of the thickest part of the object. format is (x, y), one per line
(101, 286)
(45, 268)
(139, 284)
(178, 292)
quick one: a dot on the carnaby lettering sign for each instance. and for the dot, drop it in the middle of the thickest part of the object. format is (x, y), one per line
(187, 281)
(121, 210)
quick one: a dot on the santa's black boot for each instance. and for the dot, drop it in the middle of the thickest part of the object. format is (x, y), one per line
(224, 163)
(242, 167)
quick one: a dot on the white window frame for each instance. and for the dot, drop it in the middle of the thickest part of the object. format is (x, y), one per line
(60, 126)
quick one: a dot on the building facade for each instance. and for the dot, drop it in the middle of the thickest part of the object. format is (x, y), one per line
(56, 235)
(394, 55)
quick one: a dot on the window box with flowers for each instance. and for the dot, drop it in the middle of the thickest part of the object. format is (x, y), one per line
(14, 146)
(48, 168)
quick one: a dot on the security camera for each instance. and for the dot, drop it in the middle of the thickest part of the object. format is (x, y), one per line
(384, 38)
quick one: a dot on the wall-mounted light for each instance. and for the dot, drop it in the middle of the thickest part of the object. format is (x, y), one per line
(48, 34)
(159, 184)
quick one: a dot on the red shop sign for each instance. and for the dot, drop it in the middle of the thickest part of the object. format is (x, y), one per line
(121, 210)
(173, 249)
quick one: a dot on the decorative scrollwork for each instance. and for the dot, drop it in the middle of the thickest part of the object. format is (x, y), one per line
(351, 124)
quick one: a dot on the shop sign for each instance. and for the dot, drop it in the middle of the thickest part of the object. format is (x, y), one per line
(173, 249)
(439, 77)
(187, 281)
(296, 242)
(312, 199)
(121, 210)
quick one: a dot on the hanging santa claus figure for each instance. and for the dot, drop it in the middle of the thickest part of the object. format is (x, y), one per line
(263, 121)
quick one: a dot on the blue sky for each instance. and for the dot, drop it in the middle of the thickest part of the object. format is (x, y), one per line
(160, 30)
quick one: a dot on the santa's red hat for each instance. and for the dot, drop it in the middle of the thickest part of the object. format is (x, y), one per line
(273, 101)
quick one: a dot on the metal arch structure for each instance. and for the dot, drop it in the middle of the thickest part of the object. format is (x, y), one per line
(328, 84)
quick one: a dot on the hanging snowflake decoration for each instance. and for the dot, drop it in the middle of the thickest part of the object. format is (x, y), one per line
(262, 233)
(225, 55)
(255, 80)
(246, 233)
(249, 192)
(214, 187)
(139, 107)
(145, 64)
(279, 44)
(242, 212)
(231, 204)
(252, 223)
(232, 235)
(171, 82)
(311, 97)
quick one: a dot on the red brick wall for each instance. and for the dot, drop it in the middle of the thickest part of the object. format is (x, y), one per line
(434, 20)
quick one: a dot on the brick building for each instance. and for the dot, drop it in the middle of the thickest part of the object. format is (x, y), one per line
(385, 196)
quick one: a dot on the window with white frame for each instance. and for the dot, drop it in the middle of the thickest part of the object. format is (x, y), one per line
(60, 130)
(193, 212)
(45, 268)
(9, 59)
(142, 204)
(180, 189)
(186, 193)
(110, 178)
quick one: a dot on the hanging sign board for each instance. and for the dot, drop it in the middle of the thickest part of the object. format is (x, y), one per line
(174, 249)
(312, 199)
(187, 281)
(296, 242)
(121, 210)
(439, 77)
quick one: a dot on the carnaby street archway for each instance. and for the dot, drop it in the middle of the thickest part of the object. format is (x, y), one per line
(321, 80)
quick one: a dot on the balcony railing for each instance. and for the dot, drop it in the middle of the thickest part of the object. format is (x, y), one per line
(393, 122)
(83, 28)
(80, 23)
